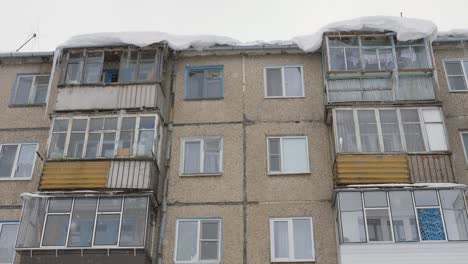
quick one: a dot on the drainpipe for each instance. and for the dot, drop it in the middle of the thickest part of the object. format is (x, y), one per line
(162, 227)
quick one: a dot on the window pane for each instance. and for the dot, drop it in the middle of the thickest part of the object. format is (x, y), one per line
(412, 128)
(92, 145)
(7, 242)
(82, 222)
(60, 205)
(75, 147)
(302, 235)
(352, 219)
(125, 144)
(195, 84)
(79, 125)
(405, 57)
(192, 157)
(23, 90)
(108, 145)
(386, 59)
(128, 123)
(432, 115)
(457, 83)
(209, 250)
(147, 71)
(60, 125)
(147, 122)
(187, 233)
(378, 225)
(274, 82)
(281, 236)
(108, 204)
(390, 130)
(421, 57)
(337, 60)
(55, 231)
(274, 155)
(128, 66)
(209, 229)
(369, 59)
(426, 198)
(25, 163)
(403, 218)
(465, 143)
(430, 224)
(456, 222)
(32, 222)
(96, 124)
(214, 83)
(145, 143)
(107, 229)
(353, 60)
(346, 131)
(368, 131)
(7, 159)
(133, 221)
(40, 96)
(212, 156)
(293, 81)
(375, 199)
(93, 66)
(436, 137)
(454, 68)
(294, 152)
(110, 123)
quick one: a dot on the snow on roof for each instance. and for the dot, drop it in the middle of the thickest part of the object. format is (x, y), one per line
(405, 28)
(455, 34)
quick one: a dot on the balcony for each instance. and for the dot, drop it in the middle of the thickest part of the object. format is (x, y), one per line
(393, 168)
(99, 174)
(109, 97)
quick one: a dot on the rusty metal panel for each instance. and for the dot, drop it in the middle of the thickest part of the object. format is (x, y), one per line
(131, 174)
(370, 168)
(74, 175)
(431, 168)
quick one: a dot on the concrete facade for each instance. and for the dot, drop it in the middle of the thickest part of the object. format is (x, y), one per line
(244, 196)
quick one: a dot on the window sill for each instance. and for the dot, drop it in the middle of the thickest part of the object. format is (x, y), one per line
(200, 174)
(65, 159)
(26, 105)
(204, 99)
(71, 85)
(288, 173)
(458, 91)
(14, 179)
(291, 261)
(285, 97)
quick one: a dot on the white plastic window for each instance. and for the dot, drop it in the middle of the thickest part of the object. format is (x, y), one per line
(284, 81)
(202, 155)
(292, 239)
(30, 89)
(17, 160)
(288, 154)
(457, 75)
(198, 241)
(8, 232)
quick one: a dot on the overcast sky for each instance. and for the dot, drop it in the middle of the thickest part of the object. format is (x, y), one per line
(55, 21)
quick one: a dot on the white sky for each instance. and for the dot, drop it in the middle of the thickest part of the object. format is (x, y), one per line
(55, 21)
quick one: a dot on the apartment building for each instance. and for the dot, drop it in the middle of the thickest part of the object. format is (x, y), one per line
(97, 199)
(395, 182)
(24, 126)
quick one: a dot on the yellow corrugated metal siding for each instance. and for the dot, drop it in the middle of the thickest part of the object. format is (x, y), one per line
(74, 175)
(368, 168)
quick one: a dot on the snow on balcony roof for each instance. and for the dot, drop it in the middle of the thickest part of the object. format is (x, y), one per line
(405, 28)
(455, 34)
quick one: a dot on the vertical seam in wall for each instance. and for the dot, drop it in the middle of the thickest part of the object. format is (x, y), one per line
(244, 165)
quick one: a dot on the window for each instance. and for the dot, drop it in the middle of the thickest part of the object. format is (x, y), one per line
(30, 89)
(457, 75)
(103, 137)
(390, 130)
(202, 155)
(94, 222)
(17, 160)
(90, 66)
(288, 154)
(204, 82)
(8, 230)
(284, 81)
(198, 241)
(464, 138)
(402, 216)
(375, 53)
(292, 239)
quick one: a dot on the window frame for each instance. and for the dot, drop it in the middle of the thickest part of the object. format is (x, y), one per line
(116, 140)
(465, 151)
(82, 61)
(32, 91)
(283, 82)
(187, 69)
(415, 207)
(199, 222)
(282, 172)
(201, 139)
(464, 74)
(96, 214)
(404, 146)
(290, 239)
(10, 222)
(15, 162)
